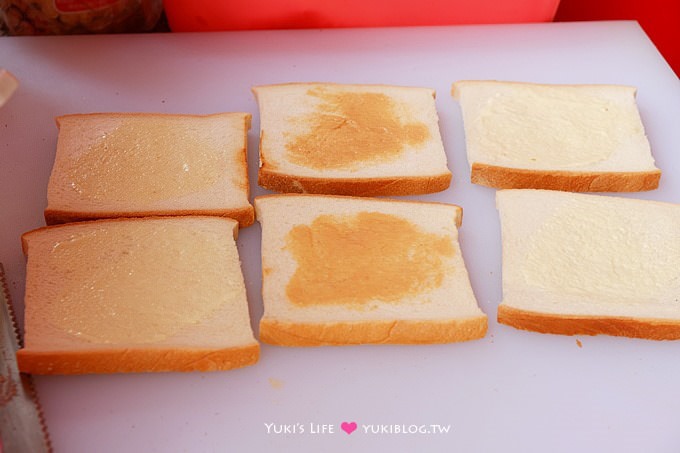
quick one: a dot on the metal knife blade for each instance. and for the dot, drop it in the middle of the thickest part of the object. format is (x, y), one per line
(22, 427)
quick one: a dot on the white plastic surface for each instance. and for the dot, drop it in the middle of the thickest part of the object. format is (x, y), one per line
(512, 391)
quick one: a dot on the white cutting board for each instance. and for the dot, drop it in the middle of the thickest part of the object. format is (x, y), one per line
(512, 391)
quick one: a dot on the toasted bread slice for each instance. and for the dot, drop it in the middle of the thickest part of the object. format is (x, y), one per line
(137, 164)
(579, 138)
(590, 264)
(345, 270)
(135, 295)
(361, 140)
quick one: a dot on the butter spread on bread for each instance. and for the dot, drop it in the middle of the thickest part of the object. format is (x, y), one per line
(580, 138)
(135, 295)
(590, 264)
(137, 164)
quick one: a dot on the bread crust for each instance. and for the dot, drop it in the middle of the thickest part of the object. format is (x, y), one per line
(24, 237)
(246, 116)
(137, 360)
(651, 329)
(459, 211)
(364, 187)
(455, 92)
(283, 333)
(244, 215)
(336, 84)
(570, 181)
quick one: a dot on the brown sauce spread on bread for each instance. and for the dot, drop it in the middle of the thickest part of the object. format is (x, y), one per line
(351, 129)
(371, 256)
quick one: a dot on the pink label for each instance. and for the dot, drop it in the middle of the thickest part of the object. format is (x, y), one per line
(81, 6)
(348, 427)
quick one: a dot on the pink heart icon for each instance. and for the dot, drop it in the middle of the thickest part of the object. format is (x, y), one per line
(348, 427)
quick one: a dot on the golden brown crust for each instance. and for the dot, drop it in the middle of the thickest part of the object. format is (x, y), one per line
(335, 84)
(24, 237)
(372, 332)
(136, 360)
(247, 116)
(245, 215)
(571, 181)
(459, 210)
(651, 329)
(456, 92)
(364, 187)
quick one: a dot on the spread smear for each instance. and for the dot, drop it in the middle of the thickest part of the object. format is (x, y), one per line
(350, 129)
(146, 159)
(120, 294)
(596, 249)
(356, 259)
(541, 126)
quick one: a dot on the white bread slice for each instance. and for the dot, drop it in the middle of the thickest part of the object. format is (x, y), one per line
(590, 264)
(361, 140)
(345, 270)
(135, 295)
(149, 164)
(579, 138)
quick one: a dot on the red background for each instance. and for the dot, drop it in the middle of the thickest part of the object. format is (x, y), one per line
(659, 18)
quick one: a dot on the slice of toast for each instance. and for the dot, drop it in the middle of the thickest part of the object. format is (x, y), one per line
(135, 295)
(147, 164)
(590, 264)
(346, 270)
(361, 140)
(579, 138)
